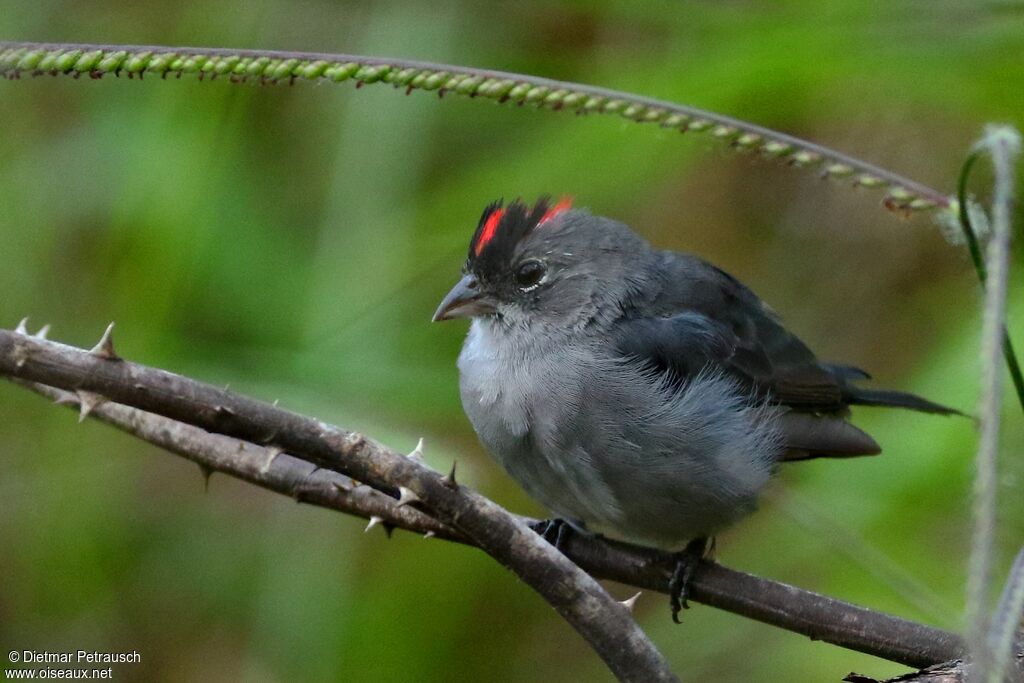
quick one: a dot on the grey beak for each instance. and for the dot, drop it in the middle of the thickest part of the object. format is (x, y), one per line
(464, 301)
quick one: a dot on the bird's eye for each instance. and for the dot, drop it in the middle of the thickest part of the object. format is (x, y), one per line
(529, 274)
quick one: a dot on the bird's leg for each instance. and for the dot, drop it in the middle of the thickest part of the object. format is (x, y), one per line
(553, 530)
(564, 529)
(540, 526)
(686, 562)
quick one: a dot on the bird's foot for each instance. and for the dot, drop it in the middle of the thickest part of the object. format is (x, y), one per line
(686, 562)
(554, 531)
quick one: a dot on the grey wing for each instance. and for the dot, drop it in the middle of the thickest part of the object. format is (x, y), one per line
(771, 358)
(766, 356)
(683, 345)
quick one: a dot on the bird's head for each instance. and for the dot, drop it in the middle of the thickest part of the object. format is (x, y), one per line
(548, 263)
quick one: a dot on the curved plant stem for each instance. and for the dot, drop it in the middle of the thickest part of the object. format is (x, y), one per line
(965, 219)
(1008, 620)
(1009, 354)
(1003, 144)
(902, 194)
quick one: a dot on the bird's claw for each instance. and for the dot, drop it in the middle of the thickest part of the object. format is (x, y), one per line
(554, 531)
(679, 585)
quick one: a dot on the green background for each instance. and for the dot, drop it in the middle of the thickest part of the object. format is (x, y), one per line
(294, 241)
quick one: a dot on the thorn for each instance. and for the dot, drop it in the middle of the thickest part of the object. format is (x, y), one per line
(22, 327)
(272, 454)
(276, 400)
(43, 332)
(223, 411)
(87, 401)
(374, 521)
(449, 479)
(389, 529)
(207, 472)
(630, 603)
(66, 399)
(406, 497)
(417, 453)
(105, 347)
(342, 487)
(429, 534)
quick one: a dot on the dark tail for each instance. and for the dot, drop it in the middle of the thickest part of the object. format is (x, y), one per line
(847, 374)
(896, 399)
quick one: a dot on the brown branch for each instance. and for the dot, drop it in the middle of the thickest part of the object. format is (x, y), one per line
(216, 410)
(715, 585)
(603, 622)
(955, 671)
(265, 467)
(947, 672)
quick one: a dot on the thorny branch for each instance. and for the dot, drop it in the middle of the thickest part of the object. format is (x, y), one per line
(225, 432)
(99, 375)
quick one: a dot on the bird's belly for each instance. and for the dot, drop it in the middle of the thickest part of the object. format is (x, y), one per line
(505, 416)
(635, 508)
(573, 484)
(621, 463)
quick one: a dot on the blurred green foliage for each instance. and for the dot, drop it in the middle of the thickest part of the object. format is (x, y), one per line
(293, 242)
